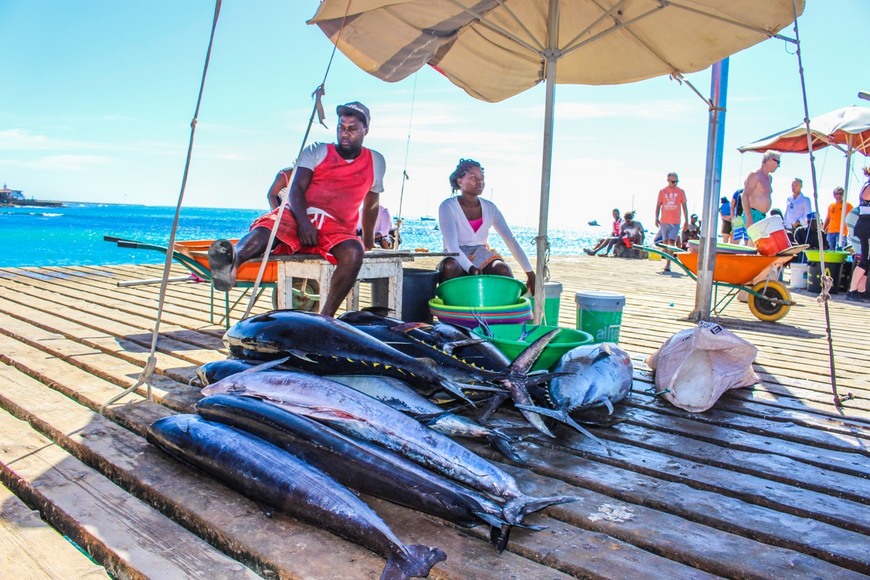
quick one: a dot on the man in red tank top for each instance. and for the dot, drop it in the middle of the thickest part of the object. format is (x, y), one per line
(328, 186)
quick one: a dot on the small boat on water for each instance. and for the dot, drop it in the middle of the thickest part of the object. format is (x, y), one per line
(427, 218)
(593, 223)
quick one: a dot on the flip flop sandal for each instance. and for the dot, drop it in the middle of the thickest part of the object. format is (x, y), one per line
(220, 263)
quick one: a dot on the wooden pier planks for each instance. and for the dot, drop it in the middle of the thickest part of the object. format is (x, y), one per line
(776, 473)
(31, 549)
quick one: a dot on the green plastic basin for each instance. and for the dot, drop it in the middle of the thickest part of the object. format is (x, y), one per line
(478, 291)
(831, 257)
(506, 339)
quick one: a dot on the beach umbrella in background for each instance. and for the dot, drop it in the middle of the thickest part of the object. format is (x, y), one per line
(847, 129)
(495, 49)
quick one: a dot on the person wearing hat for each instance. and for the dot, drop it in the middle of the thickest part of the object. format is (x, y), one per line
(329, 184)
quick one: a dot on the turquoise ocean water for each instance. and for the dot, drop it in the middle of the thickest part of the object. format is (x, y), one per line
(73, 235)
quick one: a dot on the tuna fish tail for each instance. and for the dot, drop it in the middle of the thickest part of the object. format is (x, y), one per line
(516, 377)
(562, 416)
(413, 561)
(516, 509)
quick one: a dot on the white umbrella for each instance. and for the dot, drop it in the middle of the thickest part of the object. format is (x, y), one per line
(494, 49)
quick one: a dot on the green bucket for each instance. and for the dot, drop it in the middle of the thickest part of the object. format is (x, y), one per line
(552, 300)
(600, 314)
(507, 338)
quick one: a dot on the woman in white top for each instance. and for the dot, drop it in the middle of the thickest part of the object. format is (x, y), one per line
(465, 220)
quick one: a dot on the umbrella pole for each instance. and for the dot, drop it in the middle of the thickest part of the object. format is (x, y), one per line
(841, 238)
(712, 186)
(541, 242)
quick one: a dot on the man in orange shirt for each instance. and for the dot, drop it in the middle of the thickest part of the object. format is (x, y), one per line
(670, 200)
(832, 222)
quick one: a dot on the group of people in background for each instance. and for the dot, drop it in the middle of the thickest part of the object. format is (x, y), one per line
(333, 209)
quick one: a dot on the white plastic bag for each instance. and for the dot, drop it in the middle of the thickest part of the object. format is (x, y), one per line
(695, 366)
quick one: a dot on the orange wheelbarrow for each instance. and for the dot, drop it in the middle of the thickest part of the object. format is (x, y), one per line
(769, 299)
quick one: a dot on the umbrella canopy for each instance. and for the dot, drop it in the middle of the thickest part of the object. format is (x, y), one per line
(847, 129)
(494, 49)
(849, 126)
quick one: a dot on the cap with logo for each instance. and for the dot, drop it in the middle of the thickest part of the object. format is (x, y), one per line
(356, 109)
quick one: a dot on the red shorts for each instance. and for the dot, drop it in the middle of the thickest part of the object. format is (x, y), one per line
(330, 233)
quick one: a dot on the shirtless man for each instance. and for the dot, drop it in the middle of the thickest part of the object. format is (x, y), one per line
(757, 189)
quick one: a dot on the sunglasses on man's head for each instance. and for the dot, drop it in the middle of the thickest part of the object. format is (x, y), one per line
(673, 180)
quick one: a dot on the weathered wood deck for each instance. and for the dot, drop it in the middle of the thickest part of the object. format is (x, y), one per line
(772, 482)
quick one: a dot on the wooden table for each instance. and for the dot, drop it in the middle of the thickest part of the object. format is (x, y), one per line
(377, 265)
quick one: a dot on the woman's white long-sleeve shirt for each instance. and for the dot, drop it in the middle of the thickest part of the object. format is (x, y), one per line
(456, 231)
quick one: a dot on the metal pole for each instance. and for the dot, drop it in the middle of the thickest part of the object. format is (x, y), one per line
(841, 239)
(551, 56)
(712, 189)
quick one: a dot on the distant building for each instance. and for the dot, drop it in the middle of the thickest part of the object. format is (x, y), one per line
(9, 195)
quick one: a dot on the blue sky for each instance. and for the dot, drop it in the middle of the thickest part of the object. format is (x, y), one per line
(97, 97)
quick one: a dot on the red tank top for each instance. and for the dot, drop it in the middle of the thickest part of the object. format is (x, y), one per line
(338, 187)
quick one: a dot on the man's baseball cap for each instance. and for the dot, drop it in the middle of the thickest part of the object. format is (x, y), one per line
(356, 109)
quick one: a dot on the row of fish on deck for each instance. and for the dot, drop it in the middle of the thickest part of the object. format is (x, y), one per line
(308, 408)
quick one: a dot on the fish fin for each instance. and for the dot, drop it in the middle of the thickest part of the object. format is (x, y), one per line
(265, 366)
(450, 347)
(412, 561)
(409, 326)
(300, 355)
(429, 418)
(502, 443)
(456, 389)
(499, 536)
(519, 507)
(562, 416)
(530, 354)
(491, 406)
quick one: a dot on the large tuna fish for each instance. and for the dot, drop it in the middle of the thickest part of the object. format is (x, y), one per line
(588, 376)
(393, 392)
(358, 415)
(327, 346)
(363, 466)
(402, 397)
(324, 345)
(271, 476)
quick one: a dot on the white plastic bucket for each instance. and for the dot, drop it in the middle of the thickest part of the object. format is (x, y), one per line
(798, 279)
(769, 236)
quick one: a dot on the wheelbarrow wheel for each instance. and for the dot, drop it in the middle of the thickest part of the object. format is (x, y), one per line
(771, 307)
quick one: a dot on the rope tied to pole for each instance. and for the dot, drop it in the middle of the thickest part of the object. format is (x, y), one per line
(150, 365)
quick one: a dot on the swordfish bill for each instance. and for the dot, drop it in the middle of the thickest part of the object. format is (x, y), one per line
(271, 476)
(324, 345)
(360, 416)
